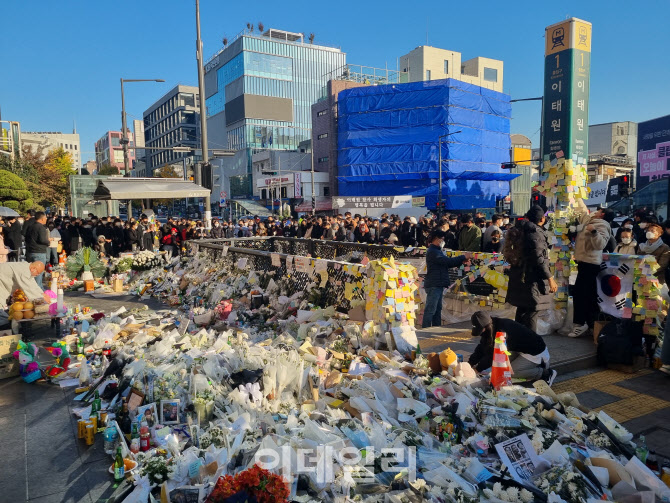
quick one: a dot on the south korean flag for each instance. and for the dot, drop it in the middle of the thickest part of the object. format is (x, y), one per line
(615, 286)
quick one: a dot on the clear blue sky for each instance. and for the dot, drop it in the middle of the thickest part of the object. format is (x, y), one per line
(62, 60)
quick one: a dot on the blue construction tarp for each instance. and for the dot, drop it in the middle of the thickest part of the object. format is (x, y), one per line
(389, 135)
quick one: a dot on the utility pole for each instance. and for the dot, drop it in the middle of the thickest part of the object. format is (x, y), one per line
(124, 132)
(203, 115)
(280, 208)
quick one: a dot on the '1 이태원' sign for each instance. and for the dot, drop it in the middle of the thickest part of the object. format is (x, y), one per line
(565, 110)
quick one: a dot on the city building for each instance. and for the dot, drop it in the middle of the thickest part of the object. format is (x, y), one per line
(391, 139)
(272, 169)
(602, 167)
(51, 140)
(324, 112)
(172, 121)
(521, 187)
(259, 91)
(432, 63)
(613, 138)
(10, 139)
(89, 168)
(108, 151)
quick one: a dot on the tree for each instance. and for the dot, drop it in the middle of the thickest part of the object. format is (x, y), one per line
(167, 171)
(106, 170)
(14, 193)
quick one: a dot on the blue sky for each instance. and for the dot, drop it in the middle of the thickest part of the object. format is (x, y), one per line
(62, 60)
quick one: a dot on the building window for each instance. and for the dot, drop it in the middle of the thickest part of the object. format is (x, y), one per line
(75, 147)
(322, 136)
(326, 191)
(323, 159)
(321, 113)
(427, 74)
(490, 74)
(446, 66)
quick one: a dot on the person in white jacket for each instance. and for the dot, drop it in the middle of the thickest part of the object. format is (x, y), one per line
(593, 234)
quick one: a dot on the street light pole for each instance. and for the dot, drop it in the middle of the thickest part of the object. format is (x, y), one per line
(203, 115)
(124, 126)
(313, 197)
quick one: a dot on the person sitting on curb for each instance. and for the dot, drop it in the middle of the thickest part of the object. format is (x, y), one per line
(529, 354)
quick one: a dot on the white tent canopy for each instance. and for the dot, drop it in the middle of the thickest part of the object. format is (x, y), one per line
(147, 188)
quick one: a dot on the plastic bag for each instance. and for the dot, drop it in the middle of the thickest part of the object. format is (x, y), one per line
(141, 492)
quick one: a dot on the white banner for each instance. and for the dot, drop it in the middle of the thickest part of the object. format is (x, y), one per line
(615, 286)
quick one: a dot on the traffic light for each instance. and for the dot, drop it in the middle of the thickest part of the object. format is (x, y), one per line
(539, 199)
(624, 186)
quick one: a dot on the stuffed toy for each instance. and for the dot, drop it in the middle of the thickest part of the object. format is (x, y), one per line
(29, 368)
(62, 355)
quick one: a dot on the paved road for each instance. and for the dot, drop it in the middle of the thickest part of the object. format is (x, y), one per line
(43, 461)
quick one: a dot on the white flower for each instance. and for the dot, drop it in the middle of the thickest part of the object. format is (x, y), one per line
(526, 496)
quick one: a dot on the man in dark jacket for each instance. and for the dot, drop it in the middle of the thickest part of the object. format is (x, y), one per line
(217, 230)
(531, 283)
(437, 278)
(13, 238)
(37, 242)
(529, 355)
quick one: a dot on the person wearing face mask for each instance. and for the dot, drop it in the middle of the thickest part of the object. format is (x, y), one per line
(625, 225)
(531, 283)
(496, 220)
(655, 246)
(495, 244)
(627, 245)
(470, 237)
(593, 234)
(437, 278)
(217, 230)
(639, 226)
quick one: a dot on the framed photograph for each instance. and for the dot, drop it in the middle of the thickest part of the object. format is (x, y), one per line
(149, 413)
(169, 412)
(135, 399)
(187, 494)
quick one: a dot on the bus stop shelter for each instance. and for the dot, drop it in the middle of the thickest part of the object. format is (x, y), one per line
(127, 189)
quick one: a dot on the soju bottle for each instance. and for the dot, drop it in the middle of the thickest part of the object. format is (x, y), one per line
(418, 349)
(80, 345)
(119, 469)
(97, 404)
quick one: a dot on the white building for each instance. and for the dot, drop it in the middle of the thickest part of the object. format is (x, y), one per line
(432, 63)
(50, 140)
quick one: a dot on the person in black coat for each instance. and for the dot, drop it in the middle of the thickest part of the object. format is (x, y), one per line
(531, 284)
(133, 237)
(437, 278)
(493, 245)
(529, 355)
(13, 238)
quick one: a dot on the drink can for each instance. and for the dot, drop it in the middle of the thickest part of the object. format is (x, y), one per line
(93, 420)
(103, 417)
(90, 434)
(81, 430)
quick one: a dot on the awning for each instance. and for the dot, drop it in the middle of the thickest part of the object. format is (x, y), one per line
(320, 204)
(147, 188)
(251, 207)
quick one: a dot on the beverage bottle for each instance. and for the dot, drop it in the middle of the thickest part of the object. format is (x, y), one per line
(641, 451)
(97, 402)
(124, 421)
(134, 430)
(119, 469)
(80, 345)
(652, 461)
(110, 438)
(145, 437)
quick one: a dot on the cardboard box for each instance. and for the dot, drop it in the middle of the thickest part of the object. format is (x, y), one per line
(117, 285)
(638, 364)
(89, 285)
(9, 366)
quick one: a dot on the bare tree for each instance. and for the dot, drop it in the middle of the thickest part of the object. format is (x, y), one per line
(225, 41)
(250, 27)
(311, 38)
(261, 27)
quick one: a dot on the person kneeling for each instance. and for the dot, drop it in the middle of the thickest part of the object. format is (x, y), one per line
(529, 354)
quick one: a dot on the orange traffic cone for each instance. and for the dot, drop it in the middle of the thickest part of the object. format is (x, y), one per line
(501, 370)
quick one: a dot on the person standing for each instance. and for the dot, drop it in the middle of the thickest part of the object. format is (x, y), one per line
(37, 242)
(54, 239)
(655, 246)
(437, 278)
(593, 234)
(14, 238)
(531, 283)
(470, 237)
(529, 355)
(488, 233)
(627, 245)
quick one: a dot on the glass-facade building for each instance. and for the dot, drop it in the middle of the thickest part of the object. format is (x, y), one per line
(259, 92)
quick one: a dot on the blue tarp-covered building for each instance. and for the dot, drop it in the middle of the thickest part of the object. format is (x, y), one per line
(388, 142)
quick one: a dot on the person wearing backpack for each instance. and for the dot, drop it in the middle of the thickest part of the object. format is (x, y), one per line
(531, 284)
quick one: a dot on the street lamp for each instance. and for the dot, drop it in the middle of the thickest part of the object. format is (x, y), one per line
(124, 130)
(439, 188)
